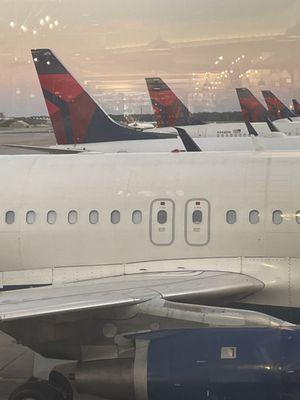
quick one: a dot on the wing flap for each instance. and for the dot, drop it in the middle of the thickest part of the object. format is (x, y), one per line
(188, 286)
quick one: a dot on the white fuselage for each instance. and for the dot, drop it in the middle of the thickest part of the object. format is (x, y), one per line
(145, 205)
(205, 143)
(236, 129)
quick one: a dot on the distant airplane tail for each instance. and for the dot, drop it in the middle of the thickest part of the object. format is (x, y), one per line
(296, 107)
(75, 116)
(252, 109)
(276, 107)
(168, 108)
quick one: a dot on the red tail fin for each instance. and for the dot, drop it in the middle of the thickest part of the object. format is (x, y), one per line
(252, 109)
(168, 108)
(276, 107)
(75, 116)
(296, 107)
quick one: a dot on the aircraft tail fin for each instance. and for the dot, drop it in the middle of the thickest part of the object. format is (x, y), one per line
(168, 109)
(75, 116)
(252, 109)
(276, 107)
(296, 105)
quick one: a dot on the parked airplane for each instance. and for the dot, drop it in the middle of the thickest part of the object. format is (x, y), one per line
(78, 119)
(169, 111)
(132, 255)
(254, 111)
(276, 107)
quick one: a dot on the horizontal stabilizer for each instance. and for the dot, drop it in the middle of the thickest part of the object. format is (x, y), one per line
(189, 144)
(48, 150)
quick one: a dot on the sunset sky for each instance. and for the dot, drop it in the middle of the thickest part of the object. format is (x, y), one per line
(88, 27)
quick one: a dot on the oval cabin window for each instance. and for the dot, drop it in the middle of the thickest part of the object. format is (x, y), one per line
(94, 217)
(254, 217)
(277, 217)
(162, 217)
(30, 217)
(10, 217)
(72, 217)
(115, 217)
(231, 217)
(197, 217)
(137, 217)
(51, 217)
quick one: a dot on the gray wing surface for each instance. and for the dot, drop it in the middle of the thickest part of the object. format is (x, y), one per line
(125, 290)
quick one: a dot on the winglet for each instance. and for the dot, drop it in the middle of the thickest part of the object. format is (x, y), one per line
(168, 109)
(189, 144)
(276, 107)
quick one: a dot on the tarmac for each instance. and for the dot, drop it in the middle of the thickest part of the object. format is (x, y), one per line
(16, 361)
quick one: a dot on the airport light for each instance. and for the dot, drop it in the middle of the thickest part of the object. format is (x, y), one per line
(47, 18)
(24, 28)
(42, 22)
(12, 24)
(221, 58)
(34, 32)
(51, 26)
(56, 23)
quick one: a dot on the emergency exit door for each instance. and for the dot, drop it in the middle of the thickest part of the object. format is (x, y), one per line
(162, 222)
(197, 216)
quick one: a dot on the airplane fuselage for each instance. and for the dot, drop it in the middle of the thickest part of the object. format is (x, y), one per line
(66, 218)
(236, 129)
(175, 145)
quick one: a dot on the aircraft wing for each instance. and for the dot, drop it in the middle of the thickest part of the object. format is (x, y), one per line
(185, 286)
(48, 150)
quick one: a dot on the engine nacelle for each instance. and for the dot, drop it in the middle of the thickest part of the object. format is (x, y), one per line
(219, 364)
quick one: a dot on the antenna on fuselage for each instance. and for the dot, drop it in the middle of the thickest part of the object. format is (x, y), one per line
(189, 144)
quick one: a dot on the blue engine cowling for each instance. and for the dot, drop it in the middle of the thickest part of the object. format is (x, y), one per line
(224, 364)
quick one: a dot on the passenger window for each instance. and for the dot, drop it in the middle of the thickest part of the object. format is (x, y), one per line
(254, 217)
(72, 217)
(197, 217)
(94, 217)
(298, 217)
(10, 217)
(137, 217)
(231, 217)
(30, 217)
(51, 217)
(277, 217)
(115, 217)
(162, 217)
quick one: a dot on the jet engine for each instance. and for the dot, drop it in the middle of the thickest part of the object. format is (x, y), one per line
(219, 364)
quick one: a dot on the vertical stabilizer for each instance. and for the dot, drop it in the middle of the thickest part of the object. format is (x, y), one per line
(296, 107)
(277, 108)
(75, 116)
(252, 109)
(167, 107)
